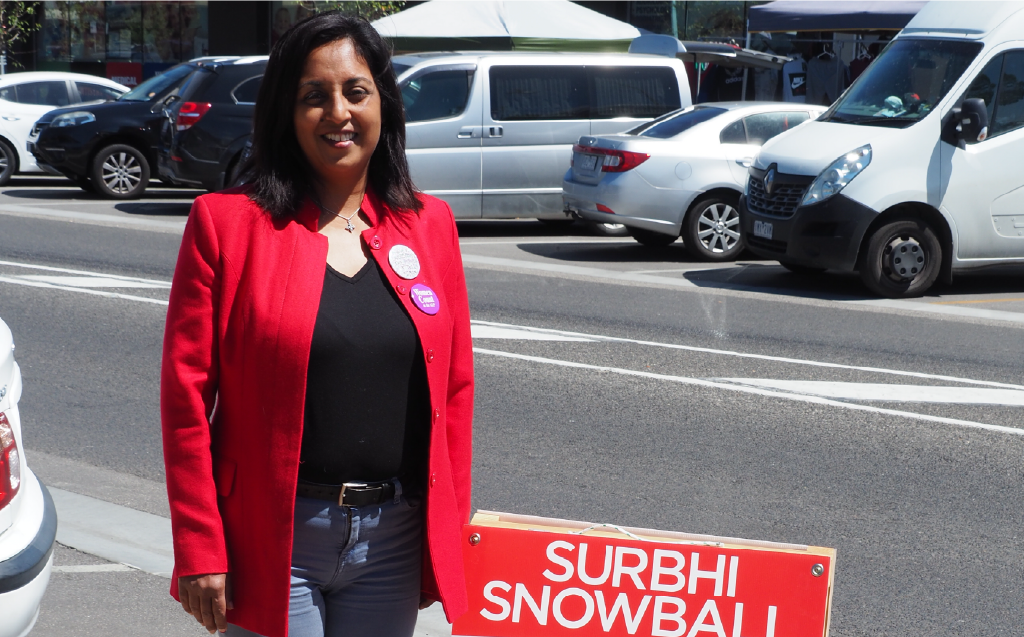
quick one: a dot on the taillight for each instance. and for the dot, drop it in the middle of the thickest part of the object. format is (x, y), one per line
(615, 161)
(190, 113)
(10, 463)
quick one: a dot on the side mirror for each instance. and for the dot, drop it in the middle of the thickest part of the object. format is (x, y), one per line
(973, 120)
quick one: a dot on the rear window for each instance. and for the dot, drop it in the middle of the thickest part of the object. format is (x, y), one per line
(632, 91)
(246, 92)
(158, 84)
(674, 123)
(582, 92)
(538, 93)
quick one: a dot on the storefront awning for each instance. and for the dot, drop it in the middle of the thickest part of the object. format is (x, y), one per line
(807, 15)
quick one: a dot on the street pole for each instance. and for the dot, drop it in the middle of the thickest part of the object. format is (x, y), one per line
(743, 94)
(675, 21)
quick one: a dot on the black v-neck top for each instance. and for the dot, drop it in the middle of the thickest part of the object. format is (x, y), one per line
(367, 406)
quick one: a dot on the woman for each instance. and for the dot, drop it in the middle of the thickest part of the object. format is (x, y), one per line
(317, 386)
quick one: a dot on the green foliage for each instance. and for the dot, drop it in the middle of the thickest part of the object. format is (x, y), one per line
(17, 20)
(363, 8)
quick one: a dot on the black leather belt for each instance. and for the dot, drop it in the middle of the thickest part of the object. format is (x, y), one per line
(350, 494)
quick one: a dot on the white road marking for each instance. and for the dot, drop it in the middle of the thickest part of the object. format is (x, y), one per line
(780, 359)
(110, 295)
(92, 568)
(48, 268)
(94, 218)
(489, 331)
(781, 295)
(89, 281)
(890, 393)
(699, 382)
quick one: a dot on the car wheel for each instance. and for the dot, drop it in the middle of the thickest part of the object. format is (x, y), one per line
(902, 259)
(805, 270)
(609, 229)
(652, 239)
(8, 163)
(711, 230)
(120, 172)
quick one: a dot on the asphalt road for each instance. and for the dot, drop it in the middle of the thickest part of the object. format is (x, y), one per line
(614, 384)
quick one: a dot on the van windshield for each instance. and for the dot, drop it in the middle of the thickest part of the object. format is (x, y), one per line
(676, 122)
(907, 80)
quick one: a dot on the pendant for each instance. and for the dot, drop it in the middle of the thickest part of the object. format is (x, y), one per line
(349, 227)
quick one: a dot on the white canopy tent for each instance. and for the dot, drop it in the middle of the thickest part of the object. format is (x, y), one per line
(531, 25)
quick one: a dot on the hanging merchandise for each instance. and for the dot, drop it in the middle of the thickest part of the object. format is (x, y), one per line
(794, 80)
(827, 77)
(766, 83)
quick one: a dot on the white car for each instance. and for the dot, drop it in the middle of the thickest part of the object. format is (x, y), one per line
(28, 519)
(681, 174)
(25, 97)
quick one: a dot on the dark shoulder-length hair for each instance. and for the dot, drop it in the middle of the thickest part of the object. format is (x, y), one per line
(277, 170)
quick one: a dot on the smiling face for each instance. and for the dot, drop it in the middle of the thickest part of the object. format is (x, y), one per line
(337, 113)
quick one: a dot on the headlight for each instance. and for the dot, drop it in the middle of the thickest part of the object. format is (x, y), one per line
(835, 177)
(76, 118)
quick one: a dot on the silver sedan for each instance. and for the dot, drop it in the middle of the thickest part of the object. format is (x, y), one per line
(679, 175)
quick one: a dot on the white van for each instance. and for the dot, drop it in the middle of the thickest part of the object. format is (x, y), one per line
(915, 172)
(492, 133)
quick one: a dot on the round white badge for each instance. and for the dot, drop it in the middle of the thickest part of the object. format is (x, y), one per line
(404, 262)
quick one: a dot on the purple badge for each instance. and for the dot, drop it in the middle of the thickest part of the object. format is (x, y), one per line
(425, 299)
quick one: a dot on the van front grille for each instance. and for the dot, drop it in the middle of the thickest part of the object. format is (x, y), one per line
(782, 203)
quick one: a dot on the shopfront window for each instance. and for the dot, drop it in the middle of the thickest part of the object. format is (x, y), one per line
(154, 35)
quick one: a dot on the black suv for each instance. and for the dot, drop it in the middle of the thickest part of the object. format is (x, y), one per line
(109, 148)
(206, 127)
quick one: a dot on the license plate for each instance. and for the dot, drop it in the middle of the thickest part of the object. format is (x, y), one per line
(589, 162)
(763, 229)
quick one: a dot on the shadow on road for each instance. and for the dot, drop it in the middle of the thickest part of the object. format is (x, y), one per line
(159, 209)
(480, 228)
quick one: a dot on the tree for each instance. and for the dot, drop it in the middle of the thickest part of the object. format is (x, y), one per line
(362, 8)
(17, 20)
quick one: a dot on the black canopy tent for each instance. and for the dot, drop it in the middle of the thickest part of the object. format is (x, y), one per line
(810, 15)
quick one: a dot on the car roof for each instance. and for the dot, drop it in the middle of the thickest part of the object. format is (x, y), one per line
(229, 60)
(454, 57)
(41, 76)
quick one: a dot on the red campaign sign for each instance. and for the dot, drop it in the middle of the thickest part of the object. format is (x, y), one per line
(528, 582)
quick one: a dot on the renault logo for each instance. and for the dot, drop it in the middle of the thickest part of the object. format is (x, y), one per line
(769, 181)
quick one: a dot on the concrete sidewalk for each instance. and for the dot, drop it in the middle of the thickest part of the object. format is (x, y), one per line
(113, 560)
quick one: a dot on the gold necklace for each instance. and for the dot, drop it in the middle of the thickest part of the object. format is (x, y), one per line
(348, 219)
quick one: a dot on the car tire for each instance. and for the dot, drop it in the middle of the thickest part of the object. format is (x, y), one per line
(712, 230)
(608, 229)
(803, 270)
(120, 171)
(652, 239)
(902, 259)
(8, 163)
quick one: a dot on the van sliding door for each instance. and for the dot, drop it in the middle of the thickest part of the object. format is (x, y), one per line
(536, 114)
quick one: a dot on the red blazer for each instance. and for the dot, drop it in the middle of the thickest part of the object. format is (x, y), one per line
(242, 308)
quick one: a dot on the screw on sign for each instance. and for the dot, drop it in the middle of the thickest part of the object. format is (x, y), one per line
(536, 577)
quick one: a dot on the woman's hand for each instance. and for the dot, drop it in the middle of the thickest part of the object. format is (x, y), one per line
(207, 598)
(426, 602)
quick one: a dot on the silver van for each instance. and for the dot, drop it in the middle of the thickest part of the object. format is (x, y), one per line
(492, 133)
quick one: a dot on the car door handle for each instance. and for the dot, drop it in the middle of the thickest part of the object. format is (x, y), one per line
(468, 132)
(495, 131)
(746, 162)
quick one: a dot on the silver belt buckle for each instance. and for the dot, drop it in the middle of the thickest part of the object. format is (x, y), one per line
(344, 487)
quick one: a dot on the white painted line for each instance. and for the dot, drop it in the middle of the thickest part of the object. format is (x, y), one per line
(67, 215)
(890, 393)
(774, 294)
(699, 382)
(765, 357)
(114, 532)
(48, 268)
(112, 295)
(88, 281)
(93, 568)
(488, 331)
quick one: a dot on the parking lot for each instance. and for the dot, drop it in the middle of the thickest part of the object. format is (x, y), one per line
(616, 383)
